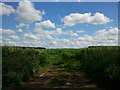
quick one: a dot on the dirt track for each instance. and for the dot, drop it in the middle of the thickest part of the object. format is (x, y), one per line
(57, 77)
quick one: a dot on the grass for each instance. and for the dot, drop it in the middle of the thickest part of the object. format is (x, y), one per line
(101, 64)
(20, 64)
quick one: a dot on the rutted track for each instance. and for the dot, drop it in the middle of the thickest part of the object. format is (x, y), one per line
(57, 77)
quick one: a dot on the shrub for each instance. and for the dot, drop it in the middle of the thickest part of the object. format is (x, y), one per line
(20, 64)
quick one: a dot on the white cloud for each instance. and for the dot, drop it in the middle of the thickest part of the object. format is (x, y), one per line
(4, 39)
(67, 0)
(71, 33)
(80, 31)
(6, 9)
(111, 31)
(80, 38)
(77, 18)
(19, 30)
(78, 0)
(27, 13)
(26, 43)
(45, 24)
(101, 37)
(30, 36)
(14, 37)
(99, 0)
(21, 25)
(99, 18)
(57, 0)
(56, 32)
(7, 31)
(107, 37)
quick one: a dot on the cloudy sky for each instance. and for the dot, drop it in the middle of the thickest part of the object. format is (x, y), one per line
(63, 0)
(59, 25)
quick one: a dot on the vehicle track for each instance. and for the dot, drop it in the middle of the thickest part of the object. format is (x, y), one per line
(56, 77)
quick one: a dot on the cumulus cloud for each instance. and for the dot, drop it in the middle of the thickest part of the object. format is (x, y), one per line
(71, 33)
(6, 9)
(21, 25)
(7, 31)
(30, 36)
(67, 0)
(99, 0)
(111, 31)
(19, 30)
(5, 39)
(80, 31)
(27, 13)
(25, 43)
(56, 32)
(45, 24)
(57, 0)
(107, 35)
(14, 37)
(77, 18)
(102, 37)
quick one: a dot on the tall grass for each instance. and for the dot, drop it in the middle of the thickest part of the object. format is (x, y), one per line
(101, 64)
(20, 64)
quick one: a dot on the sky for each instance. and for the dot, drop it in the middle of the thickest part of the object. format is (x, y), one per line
(59, 25)
(63, 0)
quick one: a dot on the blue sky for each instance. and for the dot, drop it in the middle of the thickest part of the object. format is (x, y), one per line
(59, 25)
(65, 0)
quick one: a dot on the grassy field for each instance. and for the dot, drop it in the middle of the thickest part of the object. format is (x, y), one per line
(100, 64)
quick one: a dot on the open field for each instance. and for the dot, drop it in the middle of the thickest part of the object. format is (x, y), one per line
(85, 68)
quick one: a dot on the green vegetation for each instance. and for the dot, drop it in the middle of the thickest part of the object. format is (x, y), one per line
(101, 64)
(20, 64)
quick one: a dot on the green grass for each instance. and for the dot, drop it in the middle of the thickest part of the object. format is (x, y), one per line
(101, 64)
(20, 64)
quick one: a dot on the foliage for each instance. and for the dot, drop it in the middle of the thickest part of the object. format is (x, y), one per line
(101, 64)
(20, 64)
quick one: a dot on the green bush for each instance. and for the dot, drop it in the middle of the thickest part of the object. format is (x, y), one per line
(101, 65)
(20, 64)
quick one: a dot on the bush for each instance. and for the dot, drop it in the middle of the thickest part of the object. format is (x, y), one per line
(101, 65)
(20, 64)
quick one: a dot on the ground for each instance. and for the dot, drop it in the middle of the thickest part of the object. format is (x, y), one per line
(57, 77)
